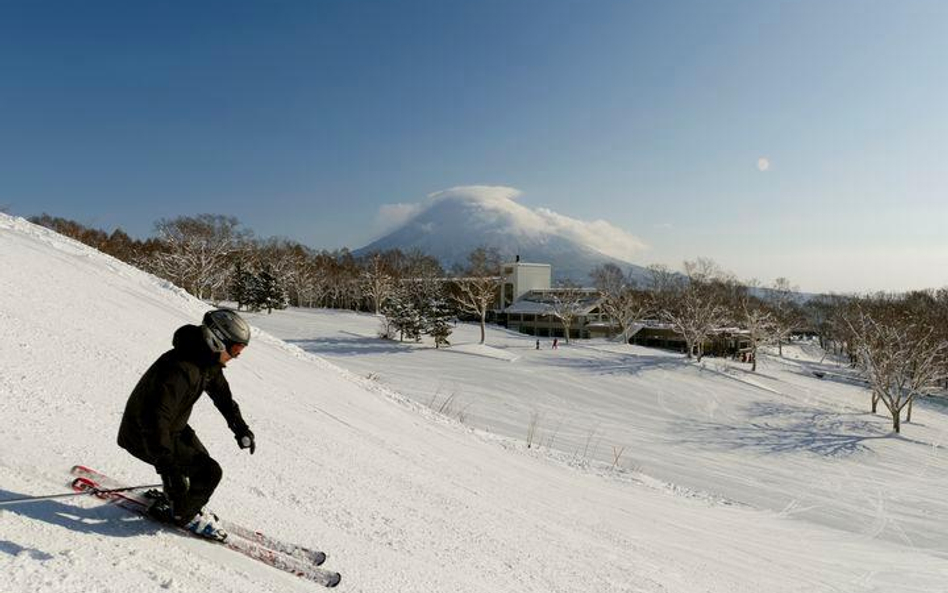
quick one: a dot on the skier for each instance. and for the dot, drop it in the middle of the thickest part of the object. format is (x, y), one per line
(155, 424)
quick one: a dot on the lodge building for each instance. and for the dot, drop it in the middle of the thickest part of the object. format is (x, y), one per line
(526, 304)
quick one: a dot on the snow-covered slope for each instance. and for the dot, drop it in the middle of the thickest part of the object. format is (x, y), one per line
(455, 222)
(401, 498)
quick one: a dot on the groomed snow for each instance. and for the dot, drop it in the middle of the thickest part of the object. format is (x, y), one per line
(728, 481)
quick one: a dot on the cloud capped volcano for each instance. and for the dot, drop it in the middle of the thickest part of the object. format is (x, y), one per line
(450, 224)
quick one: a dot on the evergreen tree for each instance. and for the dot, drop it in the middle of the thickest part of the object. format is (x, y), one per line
(438, 315)
(270, 292)
(242, 286)
(404, 316)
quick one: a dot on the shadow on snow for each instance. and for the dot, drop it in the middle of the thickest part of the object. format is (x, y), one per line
(786, 428)
(352, 346)
(101, 520)
(618, 364)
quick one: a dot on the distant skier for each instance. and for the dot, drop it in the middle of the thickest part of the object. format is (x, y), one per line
(155, 424)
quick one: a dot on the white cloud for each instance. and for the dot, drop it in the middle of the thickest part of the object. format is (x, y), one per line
(598, 234)
(497, 194)
(494, 200)
(392, 216)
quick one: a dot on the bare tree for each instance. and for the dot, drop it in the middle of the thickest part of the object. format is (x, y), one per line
(631, 305)
(692, 304)
(304, 278)
(377, 282)
(619, 298)
(786, 311)
(758, 321)
(344, 290)
(419, 265)
(477, 288)
(566, 301)
(842, 312)
(196, 251)
(609, 280)
(900, 360)
(320, 287)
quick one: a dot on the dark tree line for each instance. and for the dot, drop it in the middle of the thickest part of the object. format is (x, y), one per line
(215, 258)
(118, 243)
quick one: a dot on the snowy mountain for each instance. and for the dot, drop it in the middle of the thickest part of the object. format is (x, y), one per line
(451, 224)
(697, 478)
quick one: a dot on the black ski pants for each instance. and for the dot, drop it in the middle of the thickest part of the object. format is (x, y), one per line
(202, 472)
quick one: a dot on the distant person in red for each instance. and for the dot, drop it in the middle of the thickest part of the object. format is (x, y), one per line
(556, 343)
(155, 424)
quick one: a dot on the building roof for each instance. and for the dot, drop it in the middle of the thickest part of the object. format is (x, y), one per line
(520, 263)
(540, 302)
(529, 307)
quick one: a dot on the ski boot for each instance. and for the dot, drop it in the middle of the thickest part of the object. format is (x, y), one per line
(206, 524)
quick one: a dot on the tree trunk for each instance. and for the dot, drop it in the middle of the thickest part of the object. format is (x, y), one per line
(896, 421)
(875, 402)
(908, 415)
(754, 360)
(483, 323)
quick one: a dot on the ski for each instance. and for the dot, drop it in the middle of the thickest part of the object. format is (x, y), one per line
(41, 498)
(299, 552)
(137, 504)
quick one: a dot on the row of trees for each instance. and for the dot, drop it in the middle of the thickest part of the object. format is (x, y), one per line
(700, 301)
(898, 342)
(410, 315)
(214, 258)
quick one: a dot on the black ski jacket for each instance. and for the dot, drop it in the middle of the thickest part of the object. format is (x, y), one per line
(159, 407)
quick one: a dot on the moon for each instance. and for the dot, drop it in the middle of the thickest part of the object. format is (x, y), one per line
(763, 164)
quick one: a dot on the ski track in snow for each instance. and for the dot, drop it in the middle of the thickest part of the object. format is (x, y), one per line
(651, 474)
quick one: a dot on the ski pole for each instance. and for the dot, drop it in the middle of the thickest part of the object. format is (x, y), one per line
(94, 491)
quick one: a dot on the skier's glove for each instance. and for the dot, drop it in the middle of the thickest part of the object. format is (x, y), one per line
(245, 440)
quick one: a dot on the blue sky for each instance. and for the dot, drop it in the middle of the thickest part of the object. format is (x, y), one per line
(306, 119)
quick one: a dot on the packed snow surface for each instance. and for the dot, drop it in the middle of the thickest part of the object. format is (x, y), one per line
(409, 465)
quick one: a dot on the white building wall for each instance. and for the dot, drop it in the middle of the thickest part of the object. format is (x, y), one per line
(520, 278)
(532, 277)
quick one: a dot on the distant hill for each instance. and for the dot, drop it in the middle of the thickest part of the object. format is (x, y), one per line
(454, 223)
